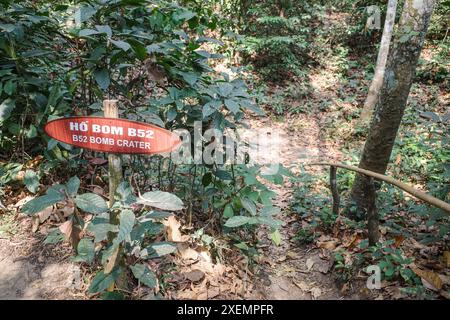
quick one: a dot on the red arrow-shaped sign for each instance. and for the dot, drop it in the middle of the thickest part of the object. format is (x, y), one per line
(112, 135)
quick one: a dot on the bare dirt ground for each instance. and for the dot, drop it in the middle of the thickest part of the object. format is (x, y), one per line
(30, 269)
(291, 271)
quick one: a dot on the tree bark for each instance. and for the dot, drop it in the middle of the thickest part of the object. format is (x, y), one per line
(383, 52)
(392, 100)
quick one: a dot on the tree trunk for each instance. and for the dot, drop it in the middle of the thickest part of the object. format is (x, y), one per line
(393, 96)
(377, 81)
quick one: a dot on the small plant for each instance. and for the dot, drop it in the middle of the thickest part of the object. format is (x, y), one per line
(120, 238)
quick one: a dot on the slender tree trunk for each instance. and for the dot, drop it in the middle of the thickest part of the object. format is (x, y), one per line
(383, 53)
(393, 96)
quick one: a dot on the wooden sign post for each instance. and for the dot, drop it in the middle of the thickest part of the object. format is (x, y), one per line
(111, 110)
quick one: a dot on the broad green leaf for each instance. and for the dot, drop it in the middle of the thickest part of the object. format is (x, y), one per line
(269, 211)
(91, 202)
(84, 13)
(190, 78)
(55, 236)
(105, 29)
(228, 212)
(237, 221)
(232, 105)
(139, 49)
(5, 109)
(38, 204)
(225, 89)
(112, 295)
(157, 215)
(31, 132)
(126, 223)
(102, 78)
(161, 200)
(223, 175)
(103, 281)
(31, 181)
(276, 237)
(144, 275)
(100, 229)
(146, 228)
(85, 250)
(87, 32)
(208, 109)
(7, 27)
(10, 87)
(161, 249)
(249, 205)
(125, 46)
(271, 222)
(241, 245)
(73, 185)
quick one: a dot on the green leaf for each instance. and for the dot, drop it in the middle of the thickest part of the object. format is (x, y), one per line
(112, 296)
(73, 185)
(161, 249)
(249, 205)
(126, 223)
(207, 179)
(225, 89)
(271, 222)
(103, 281)
(10, 87)
(125, 46)
(139, 49)
(91, 202)
(158, 215)
(269, 211)
(161, 200)
(242, 246)
(208, 109)
(190, 78)
(55, 236)
(5, 109)
(232, 105)
(7, 27)
(85, 250)
(105, 29)
(87, 32)
(228, 212)
(85, 13)
(31, 181)
(38, 204)
(223, 175)
(144, 275)
(237, 221)
(276, 237)
(100, 229)
(101, 76)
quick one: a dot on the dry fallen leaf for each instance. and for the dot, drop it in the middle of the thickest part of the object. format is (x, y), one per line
(195, 275)
(112, 261)
(398, 240)
(328, 245)
(429, 278)
(447, 258)
(315, 292)
(72, 233)
(186, 252)
(309, 263)
(44, 214)
(173, 229)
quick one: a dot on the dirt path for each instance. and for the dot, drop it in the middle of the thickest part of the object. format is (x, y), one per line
(291, 271)
(30, 269)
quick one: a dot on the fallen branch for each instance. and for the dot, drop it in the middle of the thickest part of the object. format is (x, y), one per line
(412, 191)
